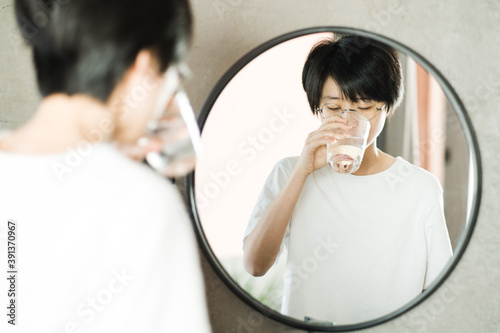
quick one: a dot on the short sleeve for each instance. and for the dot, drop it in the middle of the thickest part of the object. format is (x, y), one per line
(272, 187)
(438, 244)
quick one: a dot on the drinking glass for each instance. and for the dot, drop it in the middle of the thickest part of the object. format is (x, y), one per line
(345, 155)
(173, 130)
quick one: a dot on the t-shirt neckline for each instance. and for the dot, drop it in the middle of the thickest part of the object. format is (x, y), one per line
(374, 176)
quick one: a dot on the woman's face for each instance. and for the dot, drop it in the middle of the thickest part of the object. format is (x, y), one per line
(332, 94)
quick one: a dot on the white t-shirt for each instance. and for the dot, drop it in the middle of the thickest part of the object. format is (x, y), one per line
(106, 246)
(359, 247)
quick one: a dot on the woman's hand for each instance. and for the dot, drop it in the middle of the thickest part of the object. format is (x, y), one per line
(138, 152)
(314, 154)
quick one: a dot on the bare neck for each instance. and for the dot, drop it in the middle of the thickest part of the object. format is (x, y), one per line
(374, 161)
(59, 123)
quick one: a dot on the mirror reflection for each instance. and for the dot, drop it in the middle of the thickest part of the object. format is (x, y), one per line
(284, 210)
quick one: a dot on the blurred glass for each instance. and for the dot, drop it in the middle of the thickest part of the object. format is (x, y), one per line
(173, 130)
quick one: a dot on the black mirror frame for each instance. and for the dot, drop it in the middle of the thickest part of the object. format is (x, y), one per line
(473, 151)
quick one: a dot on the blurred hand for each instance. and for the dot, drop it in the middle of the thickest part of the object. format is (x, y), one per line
(138, 152)
(155, 144)
(172, 141)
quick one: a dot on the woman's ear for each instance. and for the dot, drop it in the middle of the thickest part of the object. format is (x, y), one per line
(144, 65)
(141, 75)
(390, 113)
(144, 62)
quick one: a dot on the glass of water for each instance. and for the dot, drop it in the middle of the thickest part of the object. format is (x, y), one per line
(345, 155)
(172, 140)
(177, 134)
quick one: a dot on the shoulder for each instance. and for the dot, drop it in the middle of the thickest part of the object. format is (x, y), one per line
(132, 182)
(280, 173)
(141, 203)
(287, 164)
(415, 176)
(283, 169)
(114, 164)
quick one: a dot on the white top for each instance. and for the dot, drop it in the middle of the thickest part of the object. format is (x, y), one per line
(359, 247)
(106, 247)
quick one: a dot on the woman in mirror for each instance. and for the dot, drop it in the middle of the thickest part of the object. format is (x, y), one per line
(360, 245)
(105, 244)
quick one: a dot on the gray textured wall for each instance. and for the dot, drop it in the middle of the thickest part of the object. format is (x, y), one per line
(461, 38)
(18, 91)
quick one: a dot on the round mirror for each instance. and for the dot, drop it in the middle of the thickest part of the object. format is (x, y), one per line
(368, 252)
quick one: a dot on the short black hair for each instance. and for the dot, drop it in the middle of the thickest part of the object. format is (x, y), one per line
(86, 46)
(362, 68)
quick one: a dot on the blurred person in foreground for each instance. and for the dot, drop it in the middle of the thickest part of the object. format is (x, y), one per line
(103, 243)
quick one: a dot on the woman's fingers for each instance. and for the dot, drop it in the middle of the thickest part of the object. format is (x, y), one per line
(138, 151)
(335, 123)
(328, 133)
(325, 134)
(314, 153)
(334, 119)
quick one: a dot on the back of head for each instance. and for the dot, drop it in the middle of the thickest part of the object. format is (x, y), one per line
(363, 69)
(86, 46)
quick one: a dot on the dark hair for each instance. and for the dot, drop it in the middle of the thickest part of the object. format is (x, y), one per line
(362, 68)
(86, 46)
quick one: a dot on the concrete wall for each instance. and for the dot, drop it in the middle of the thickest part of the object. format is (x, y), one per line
(461, 38)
